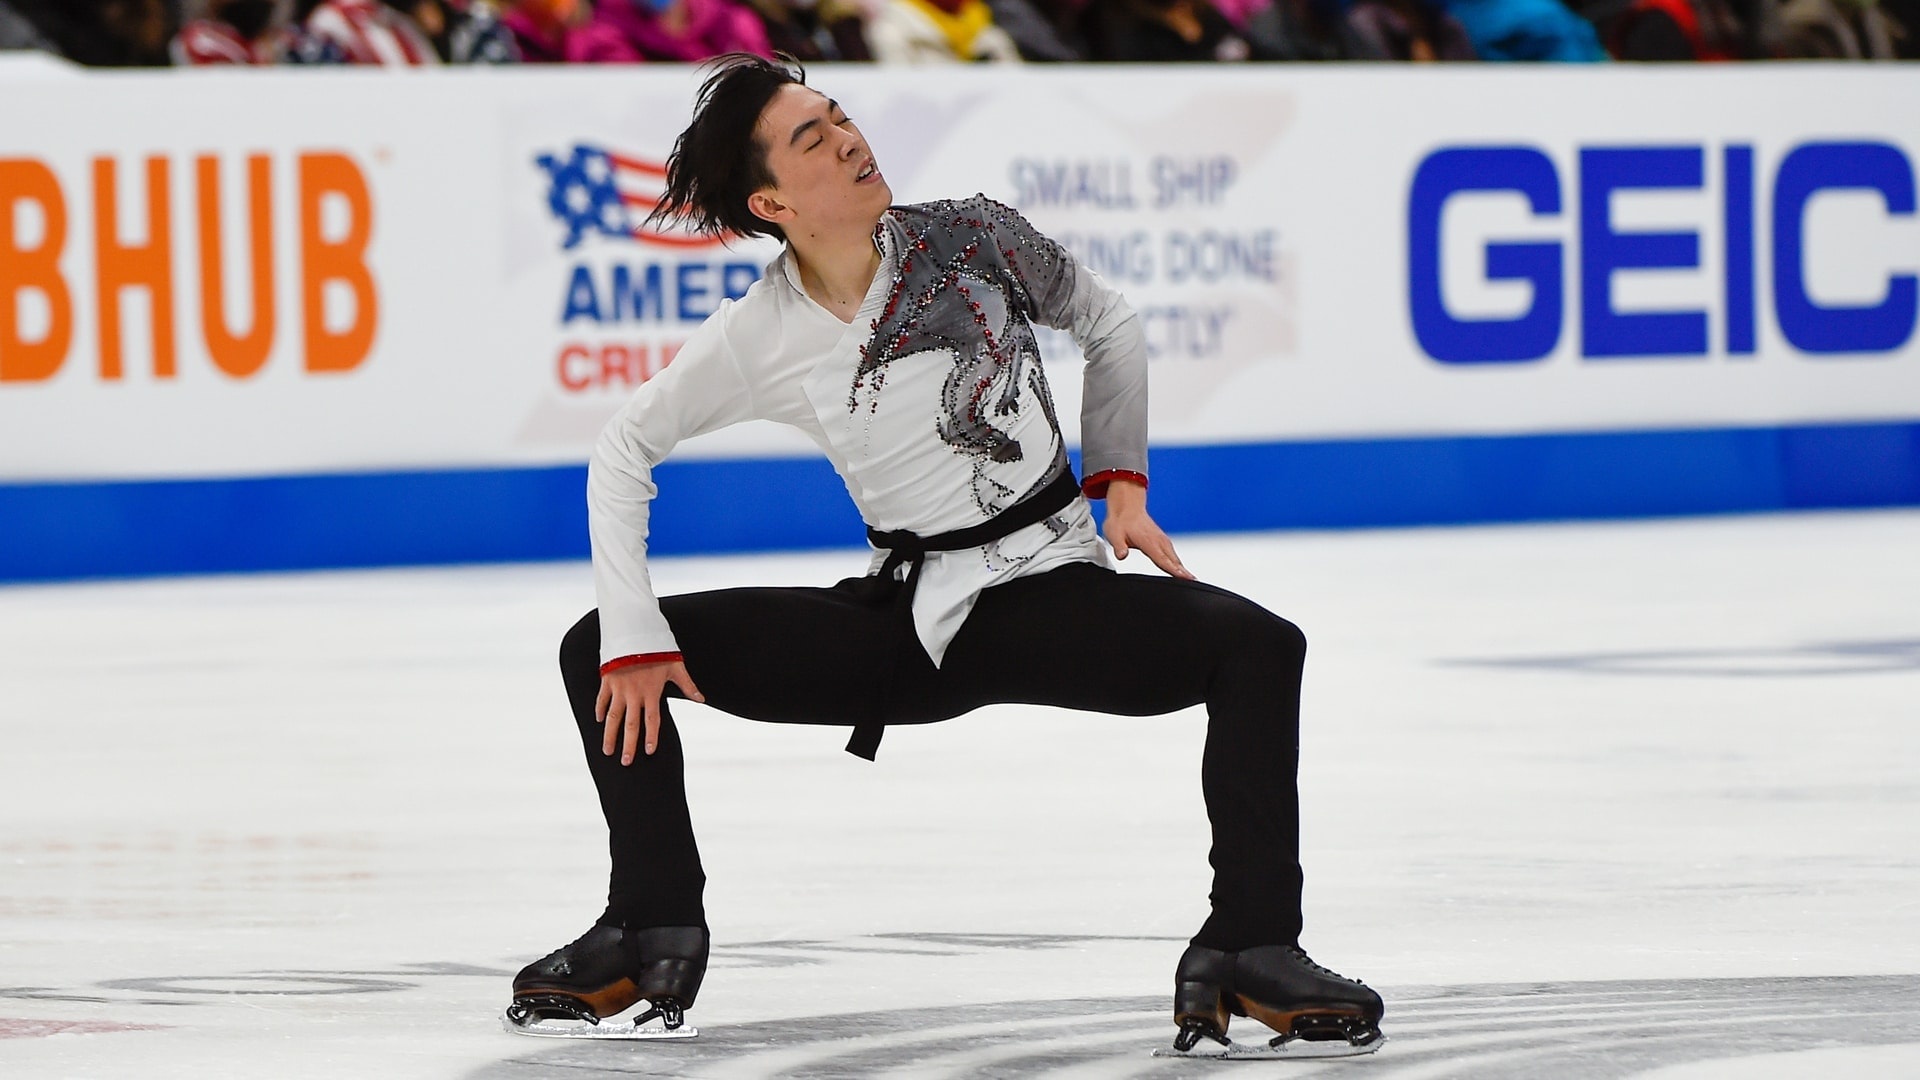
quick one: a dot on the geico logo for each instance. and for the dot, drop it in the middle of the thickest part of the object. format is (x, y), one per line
(1604, 249)
(31, 265)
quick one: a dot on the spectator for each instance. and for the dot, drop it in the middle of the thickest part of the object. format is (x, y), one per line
(102, 33)
(1240, 12)
(1679, 30)
(1839, 30)
(1415, 30)
(815, 30)
(303, 47)
(139, 32)
(1528, 30)
(1906, 15)
(565, 32)
(1180, 31)
(938, 32)
(686, 30)
(461, 31)
(1306, 30)
(1034, 33)
(367, 32)
(19, 32)
(234, 32)
(1069, 21)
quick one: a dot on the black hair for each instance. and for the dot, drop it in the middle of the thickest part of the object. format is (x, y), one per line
(720, 160)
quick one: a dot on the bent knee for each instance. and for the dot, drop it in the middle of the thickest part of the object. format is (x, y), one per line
(580, 647)
(1254, 627)
(1287, 636)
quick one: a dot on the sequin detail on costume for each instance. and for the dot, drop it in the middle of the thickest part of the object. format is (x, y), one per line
(961, 287)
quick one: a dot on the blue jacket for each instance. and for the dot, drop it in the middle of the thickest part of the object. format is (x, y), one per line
(1527, 30)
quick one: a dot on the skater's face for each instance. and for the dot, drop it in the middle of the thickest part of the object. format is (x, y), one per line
(825, 180)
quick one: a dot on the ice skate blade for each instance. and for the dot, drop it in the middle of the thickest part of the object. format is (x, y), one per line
(1290, 1049)
(576, 1029)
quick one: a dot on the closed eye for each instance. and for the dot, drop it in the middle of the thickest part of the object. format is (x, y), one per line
(842, 122)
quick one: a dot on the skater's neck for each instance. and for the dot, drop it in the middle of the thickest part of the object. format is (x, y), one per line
(836, 268)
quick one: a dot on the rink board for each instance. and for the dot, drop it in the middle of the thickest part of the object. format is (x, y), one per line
(61, 531)
(361, 319)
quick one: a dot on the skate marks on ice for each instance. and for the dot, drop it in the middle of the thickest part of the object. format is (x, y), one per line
(799, 951)
(1794, 661)
(190, 990)
(1519, 1031)
(15, 1028)
(187, 990)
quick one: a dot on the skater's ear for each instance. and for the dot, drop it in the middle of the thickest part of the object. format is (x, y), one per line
(765, 204)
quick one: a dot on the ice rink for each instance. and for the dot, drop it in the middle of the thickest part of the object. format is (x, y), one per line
(1596, 800)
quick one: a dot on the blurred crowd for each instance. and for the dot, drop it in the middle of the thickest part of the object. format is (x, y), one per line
(405, 32)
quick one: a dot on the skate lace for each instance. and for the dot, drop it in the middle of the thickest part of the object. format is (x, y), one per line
(569, 945)
(1314, 965)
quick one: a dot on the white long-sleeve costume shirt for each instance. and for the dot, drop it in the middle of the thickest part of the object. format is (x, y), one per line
(931, 404)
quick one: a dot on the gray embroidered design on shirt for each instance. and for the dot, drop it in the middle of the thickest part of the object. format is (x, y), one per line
(956, 290)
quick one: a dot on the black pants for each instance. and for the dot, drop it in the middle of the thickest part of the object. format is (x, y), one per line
(1081, 637)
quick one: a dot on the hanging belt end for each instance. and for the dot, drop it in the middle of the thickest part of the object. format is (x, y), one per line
(865, 741)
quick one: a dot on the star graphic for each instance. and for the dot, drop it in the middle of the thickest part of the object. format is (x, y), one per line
(582, 195)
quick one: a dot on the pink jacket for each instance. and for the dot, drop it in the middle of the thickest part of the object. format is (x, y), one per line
(713, 27)
(594, 43)
(1241, 12)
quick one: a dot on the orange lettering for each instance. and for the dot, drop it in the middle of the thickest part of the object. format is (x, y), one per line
(38, 269)
(343, 260)
(238, 356)
(617, 363)
(118, 266)
(568, 356)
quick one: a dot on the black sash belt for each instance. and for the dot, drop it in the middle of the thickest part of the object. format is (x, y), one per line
(910, 550)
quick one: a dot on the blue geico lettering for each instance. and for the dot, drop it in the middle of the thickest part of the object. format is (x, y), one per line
(647, 293)
(1878, 327)
(1604, 250)
(1604, 331)
(1484, 341)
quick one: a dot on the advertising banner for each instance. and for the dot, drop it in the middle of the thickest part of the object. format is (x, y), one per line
(220, 276)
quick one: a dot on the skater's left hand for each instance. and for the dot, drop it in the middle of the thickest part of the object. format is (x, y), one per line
(1128, 527)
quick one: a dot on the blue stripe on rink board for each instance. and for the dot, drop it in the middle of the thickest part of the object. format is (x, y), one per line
(53, 531)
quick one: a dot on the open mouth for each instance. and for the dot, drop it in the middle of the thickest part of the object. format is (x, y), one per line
(867, 172)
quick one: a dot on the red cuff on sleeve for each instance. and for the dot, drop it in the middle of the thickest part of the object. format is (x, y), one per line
(1095, 486)
(638, 658)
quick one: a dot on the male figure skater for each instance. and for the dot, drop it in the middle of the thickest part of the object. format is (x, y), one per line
(898, 339)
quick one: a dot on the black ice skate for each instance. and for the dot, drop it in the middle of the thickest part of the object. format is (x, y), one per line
(606, 971)
(1316, 1012)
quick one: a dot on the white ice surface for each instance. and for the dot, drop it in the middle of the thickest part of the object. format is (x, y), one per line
(308, 825)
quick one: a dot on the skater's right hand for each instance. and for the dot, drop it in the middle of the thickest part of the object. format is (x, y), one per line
(629, 702)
